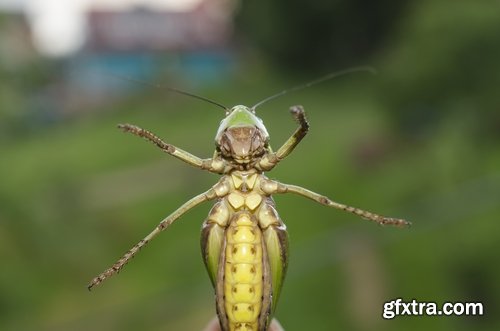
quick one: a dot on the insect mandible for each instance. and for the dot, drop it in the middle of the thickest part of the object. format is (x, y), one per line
(244, 242)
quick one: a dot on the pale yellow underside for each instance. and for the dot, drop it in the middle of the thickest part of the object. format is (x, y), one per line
(243, 274)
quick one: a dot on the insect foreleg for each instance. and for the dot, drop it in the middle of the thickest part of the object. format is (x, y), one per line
(211, 165)
(208, 195)
(300, 116)
(270, 160)
(273, 187)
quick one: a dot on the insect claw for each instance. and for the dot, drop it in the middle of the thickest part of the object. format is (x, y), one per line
(126, 127)
(299, 115)
(297, 111)
(400, 223)
(91, 285)
(397, 222)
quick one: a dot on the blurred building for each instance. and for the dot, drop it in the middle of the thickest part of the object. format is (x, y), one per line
(16, 47)
(184, 47)
(206, 27)
(140, 43)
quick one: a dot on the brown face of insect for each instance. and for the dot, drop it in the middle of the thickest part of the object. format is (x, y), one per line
(242, 144)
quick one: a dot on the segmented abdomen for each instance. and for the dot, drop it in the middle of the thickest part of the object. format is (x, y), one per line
(243, 273)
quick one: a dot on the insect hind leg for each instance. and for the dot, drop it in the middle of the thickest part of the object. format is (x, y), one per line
(193, 202)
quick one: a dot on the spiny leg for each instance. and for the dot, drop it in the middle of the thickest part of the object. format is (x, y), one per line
(208, 195)
(270, 160)
(273, 187)
(206, 164)
(300, 116)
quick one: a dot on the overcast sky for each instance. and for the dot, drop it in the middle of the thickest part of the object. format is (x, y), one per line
(59, 26)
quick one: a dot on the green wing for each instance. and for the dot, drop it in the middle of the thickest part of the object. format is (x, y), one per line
(212, 247)
(212, 242)
(276, 241)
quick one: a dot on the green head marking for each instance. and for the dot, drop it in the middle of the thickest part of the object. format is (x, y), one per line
(239, 116)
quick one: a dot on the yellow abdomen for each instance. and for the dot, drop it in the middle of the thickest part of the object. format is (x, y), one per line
(243, 271)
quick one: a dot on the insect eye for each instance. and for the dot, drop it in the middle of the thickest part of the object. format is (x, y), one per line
(224, 146)
(257, 143)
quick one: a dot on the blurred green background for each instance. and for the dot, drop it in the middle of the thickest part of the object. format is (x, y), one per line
(420, 140)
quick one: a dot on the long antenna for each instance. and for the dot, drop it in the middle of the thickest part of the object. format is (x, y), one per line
(168, 88)
(317, 81)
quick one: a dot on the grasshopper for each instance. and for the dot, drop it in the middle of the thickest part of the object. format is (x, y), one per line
(243, 240)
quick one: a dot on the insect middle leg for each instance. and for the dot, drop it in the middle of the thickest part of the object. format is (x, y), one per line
(211, 165)
(274, 187)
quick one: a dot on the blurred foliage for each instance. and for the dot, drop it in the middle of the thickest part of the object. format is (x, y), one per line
(21, 114)
(310, 35)
(419, 140)
(448, 58)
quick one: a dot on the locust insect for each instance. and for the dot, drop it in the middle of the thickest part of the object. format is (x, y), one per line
(243, 240)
